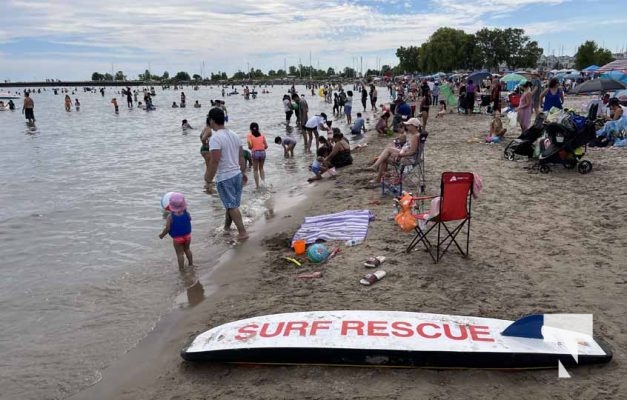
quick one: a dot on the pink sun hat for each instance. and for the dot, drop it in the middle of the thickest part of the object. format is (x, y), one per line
(177, 202)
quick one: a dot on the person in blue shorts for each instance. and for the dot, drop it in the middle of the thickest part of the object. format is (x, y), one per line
(228, 168)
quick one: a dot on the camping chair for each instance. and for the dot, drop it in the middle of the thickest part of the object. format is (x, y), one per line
(454, 206)
(408, 173)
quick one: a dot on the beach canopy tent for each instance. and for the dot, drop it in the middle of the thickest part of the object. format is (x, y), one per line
(591, 68)
(600, 85)
(479, 76)
(513, 80)
(616, 75)
(616, 65)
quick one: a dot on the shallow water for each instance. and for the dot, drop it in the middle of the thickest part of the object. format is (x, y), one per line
(84, 275)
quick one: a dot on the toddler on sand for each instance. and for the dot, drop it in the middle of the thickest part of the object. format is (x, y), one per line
(179, 226)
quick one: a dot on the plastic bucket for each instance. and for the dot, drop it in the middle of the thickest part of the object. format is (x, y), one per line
(299, 246)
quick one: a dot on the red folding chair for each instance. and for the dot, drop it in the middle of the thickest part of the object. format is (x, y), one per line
(455, 205)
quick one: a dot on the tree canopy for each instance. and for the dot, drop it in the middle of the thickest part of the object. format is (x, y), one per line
(589, 53)
(449, 49)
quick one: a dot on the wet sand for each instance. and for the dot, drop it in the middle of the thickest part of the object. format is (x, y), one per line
(553, 243)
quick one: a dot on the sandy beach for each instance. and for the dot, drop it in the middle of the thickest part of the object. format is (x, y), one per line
(540, 243)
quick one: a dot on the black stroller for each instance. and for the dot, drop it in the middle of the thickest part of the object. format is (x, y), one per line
(524, 144)
(566, 145)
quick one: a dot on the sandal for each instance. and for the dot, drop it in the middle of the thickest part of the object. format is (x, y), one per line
(374, 262)
(370, 279)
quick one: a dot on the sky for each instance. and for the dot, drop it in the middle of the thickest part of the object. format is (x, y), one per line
(71, 39)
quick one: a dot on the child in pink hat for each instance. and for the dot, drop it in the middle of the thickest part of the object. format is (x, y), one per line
(179, 226)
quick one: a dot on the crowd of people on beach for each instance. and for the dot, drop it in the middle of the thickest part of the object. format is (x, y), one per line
(405, 115)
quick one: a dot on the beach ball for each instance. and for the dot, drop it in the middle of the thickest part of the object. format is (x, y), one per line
(317, 253)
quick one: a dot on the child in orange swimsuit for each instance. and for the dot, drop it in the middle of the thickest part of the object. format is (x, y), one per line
(179, 226)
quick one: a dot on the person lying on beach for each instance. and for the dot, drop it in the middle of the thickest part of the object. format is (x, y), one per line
(197, 104)
(288, 145)
(394, 154)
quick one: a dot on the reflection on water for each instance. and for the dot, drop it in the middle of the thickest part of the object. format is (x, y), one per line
(83, 275)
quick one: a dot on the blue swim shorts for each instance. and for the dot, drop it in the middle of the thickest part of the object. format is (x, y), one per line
(230, 191)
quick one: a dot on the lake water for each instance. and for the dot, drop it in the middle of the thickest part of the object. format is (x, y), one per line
(84, 275)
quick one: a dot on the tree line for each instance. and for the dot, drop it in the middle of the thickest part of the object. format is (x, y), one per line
(449, 49)
(301, 71)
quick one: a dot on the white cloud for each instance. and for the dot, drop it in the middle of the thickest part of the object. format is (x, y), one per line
(230, 34)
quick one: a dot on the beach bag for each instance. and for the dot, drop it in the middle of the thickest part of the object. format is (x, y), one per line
(405, 220)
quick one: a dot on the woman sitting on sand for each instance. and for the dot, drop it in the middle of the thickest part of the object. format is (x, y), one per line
(393, 154)
(340, 155)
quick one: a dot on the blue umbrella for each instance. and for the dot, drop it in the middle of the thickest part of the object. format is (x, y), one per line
(616, 75)
(591, 68)
(477, 77)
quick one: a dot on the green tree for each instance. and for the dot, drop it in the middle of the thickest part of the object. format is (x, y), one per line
(145, 76)
(165, 76)
(280, 72)
(272, 73)
(492, 47)
(292, 70)
(196, 77)
(448, 49)
(239, 75)
(96, 76)
(330, 71)
(604, 57)
(119, 76)
(107, 77)
(409, 58)
(182, 76)
(589, 53)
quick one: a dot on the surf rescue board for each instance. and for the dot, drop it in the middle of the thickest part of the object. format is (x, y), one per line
(395, 339)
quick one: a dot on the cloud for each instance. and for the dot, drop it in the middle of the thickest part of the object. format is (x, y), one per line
(230, 34)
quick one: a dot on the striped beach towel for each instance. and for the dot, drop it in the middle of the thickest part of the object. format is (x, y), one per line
(345, 225)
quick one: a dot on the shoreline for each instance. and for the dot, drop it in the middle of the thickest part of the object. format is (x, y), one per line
(539, 244)
(218, 283)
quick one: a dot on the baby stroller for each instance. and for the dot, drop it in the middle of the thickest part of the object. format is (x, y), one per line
(524, 144)
(566, 145)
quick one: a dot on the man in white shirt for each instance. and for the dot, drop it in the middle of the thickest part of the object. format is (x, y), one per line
(311, 129)
(228, 167)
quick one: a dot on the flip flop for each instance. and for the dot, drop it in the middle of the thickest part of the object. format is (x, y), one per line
(374, 262)
(310, 275)
(370, 279)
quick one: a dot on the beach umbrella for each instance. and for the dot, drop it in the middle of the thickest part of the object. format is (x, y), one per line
(513, 78)
(616, 75)
(600, 85)
(477, 77)
(618, 65)
(591, 68)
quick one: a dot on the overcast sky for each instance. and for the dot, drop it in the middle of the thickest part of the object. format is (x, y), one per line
(70, 39)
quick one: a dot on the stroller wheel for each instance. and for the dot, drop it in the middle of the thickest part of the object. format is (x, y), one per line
(584, 167)
(509, 154)
(570, 163)
(545, 169)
